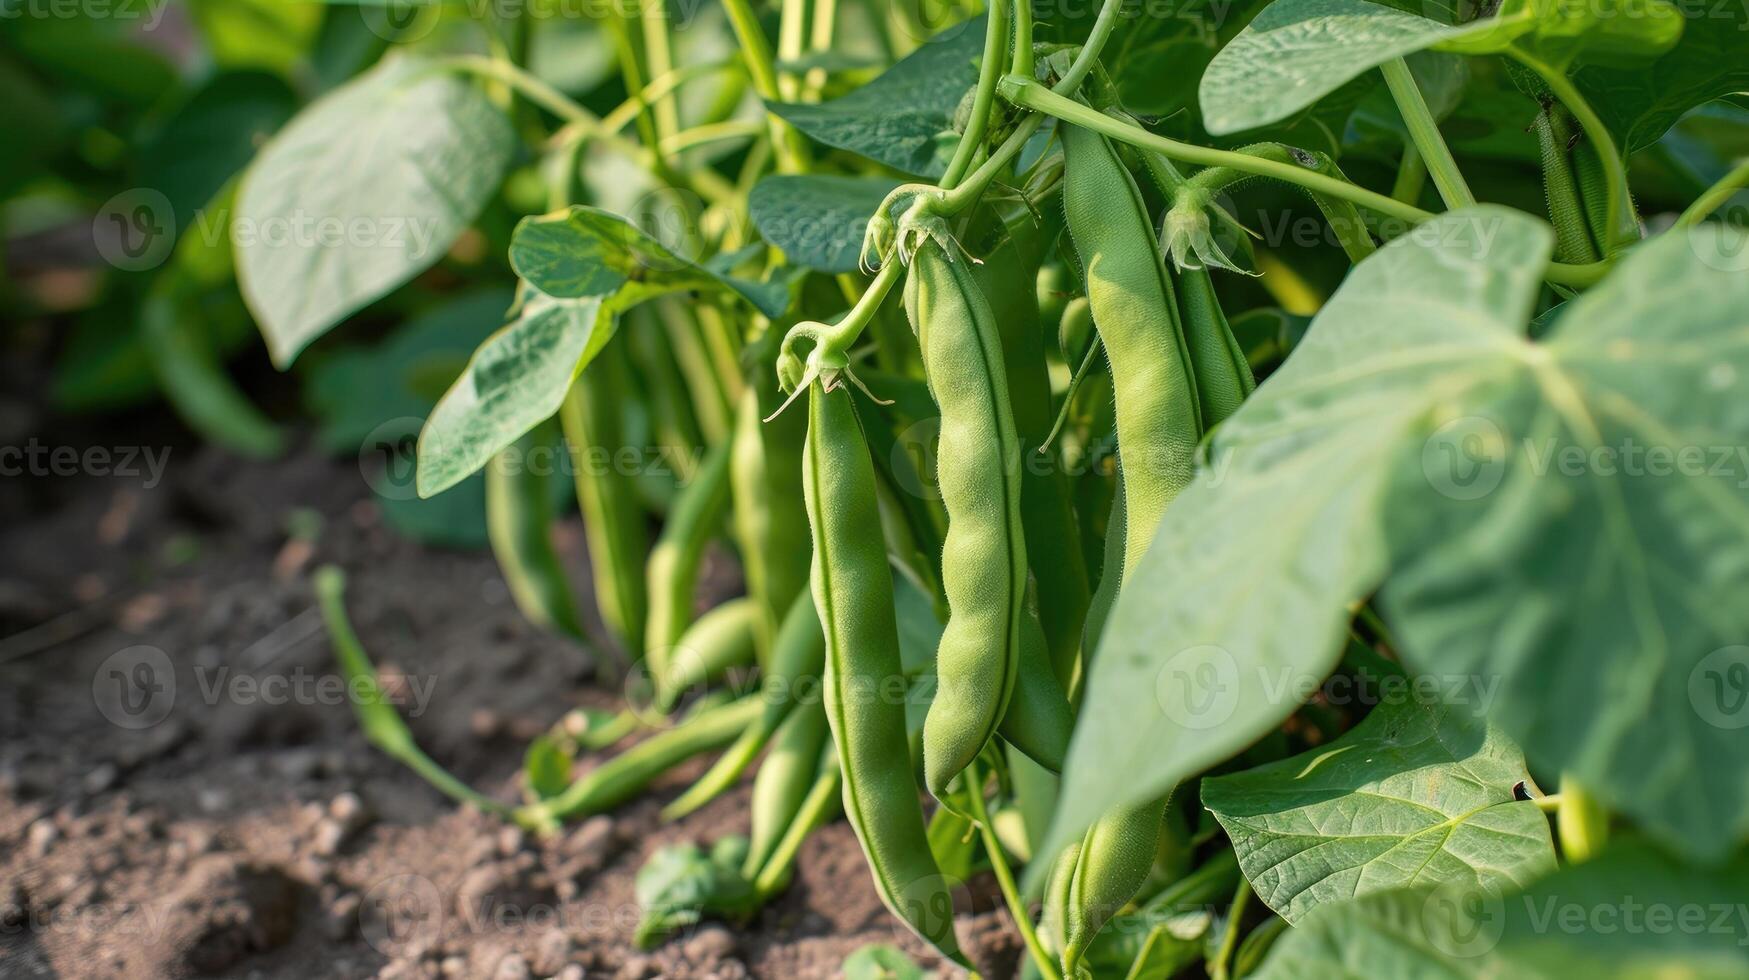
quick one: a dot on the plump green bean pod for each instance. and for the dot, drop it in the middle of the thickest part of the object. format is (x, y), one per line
(1136, 313)
(519, 518)
(1011, 243)
(853, 591)
(785, 777)
(613, 518)
(672, 571)
(978, 664)
(1094, 879)
(791, 678)
(720, 641)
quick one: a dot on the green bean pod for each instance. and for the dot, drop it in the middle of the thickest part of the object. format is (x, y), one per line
(791, 678)
(1223, 375)
(1009, 278)
(1094, 879)
(672, 571)
(853, 591)
(519, 518)
(613, 520)
(771, 522)
(820, 803)
(626, 775)
(984, 571)
(784, 779)
(720, 641)
(1136, 313)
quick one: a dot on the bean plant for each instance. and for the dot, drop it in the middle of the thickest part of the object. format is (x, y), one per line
(1245, 602)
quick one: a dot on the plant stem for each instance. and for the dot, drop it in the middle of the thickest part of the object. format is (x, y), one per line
(1220, 968)
(1411, 175)
(1548, 804)
(1022, 63)
(653, 17)
(1004, 875)
(1425, 132)
(995, 43)
(711, 133)
(1715, 196)
(1581, 823)
(791, 28)
(1031, 95)
(1614, 172)
(791, 154)
(820, 39)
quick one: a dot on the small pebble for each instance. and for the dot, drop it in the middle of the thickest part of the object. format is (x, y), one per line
(710, 944)
(512, 967)
(329, 838)
(570, 972)
(101, 777)
(341, 918)
(552, 952)
(42, 836)
(511, 840)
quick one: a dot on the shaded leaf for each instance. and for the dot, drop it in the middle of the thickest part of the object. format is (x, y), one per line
(1417, 794)
(817, 219)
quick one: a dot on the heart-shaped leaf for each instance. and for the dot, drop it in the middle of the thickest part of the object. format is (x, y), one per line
(1418, 793)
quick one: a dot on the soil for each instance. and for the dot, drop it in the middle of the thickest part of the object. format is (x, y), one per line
(182, 795)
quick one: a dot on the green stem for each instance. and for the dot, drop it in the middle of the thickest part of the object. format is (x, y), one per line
(1425, 132)
(653, 18)
(1715, 196)
(995, 40)
(1022, 63)
(1581, 823)
(382, 726)
(1220, 968)
(706, 183)
(1029, 94)
(1004, 875)
(820, 39)
(711, 133)
(1614, 172)
(1411, 175)
(1548, 804)
(756, 50)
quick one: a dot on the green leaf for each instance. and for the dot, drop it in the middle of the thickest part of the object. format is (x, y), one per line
(904, 118)
(1710, 61)
(1629, 914)
(355, 391)
(363, 190)
(547, 767)
(590, 252)
(1229, 620)
(681, 883)
(515, 381)
(1297, 51)
(1417, 794)
(1586, 541)
(817, 219)
(879, 961)
(212, 136)
(268, 34)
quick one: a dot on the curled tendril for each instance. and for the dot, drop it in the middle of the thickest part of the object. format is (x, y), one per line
(1185, 234)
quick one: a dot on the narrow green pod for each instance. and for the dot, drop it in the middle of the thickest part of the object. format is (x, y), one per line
(984, 569)
(719, 641)
(672, 571)
(771, 522)
(785, 777)
(791, 677)
(865, 683)
(1223, 375)
(1136, 313)
(519, 518)
(613, 519)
